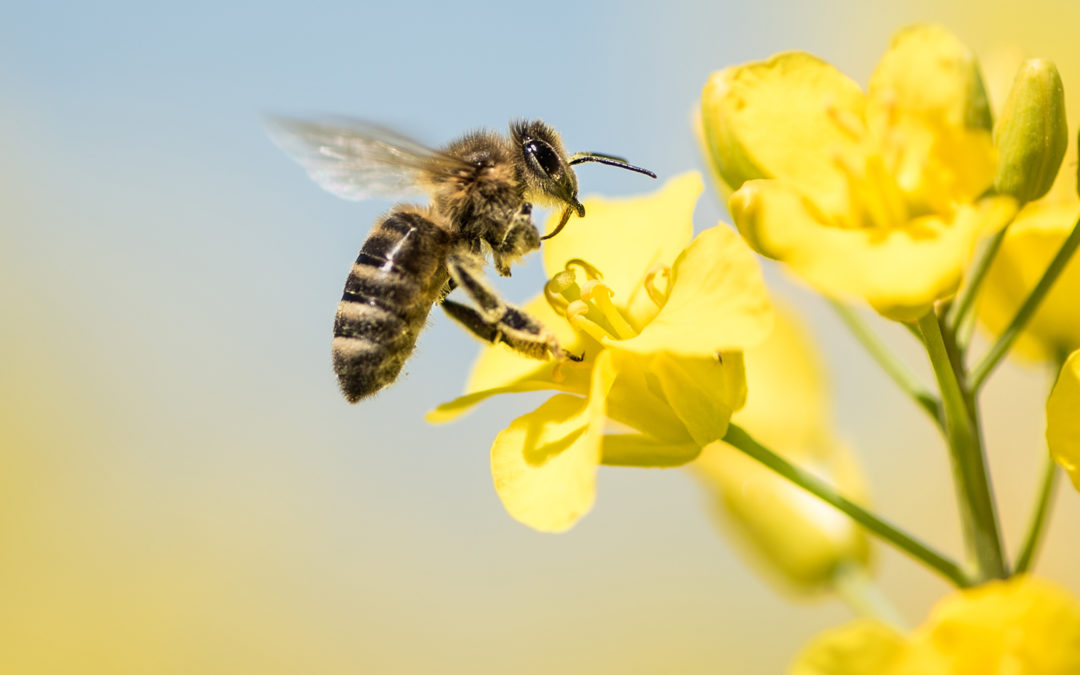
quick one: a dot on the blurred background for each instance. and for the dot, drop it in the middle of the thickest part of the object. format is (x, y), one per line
(183, 489)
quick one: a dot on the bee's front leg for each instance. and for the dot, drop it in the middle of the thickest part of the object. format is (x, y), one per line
(519, 238)
(497, 320)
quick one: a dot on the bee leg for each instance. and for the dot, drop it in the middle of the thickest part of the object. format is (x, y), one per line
(497, 320)
(519, 237)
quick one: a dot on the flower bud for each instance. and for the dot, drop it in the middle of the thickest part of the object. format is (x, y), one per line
(796, 539)
(1032, 133)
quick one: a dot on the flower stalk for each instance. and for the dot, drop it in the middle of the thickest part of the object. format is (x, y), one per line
(742, 441)
(977, 513)
(1047, 487)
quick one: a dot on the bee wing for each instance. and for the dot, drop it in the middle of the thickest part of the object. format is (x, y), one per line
(357, 160)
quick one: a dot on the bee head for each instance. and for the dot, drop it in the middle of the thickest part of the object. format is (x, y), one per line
(546, 168)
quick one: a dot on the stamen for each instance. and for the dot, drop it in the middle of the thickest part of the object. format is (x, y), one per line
(590, 271)
(875, 198)
(599, 294)
(575, 314)
(658, 296)
(555, 291)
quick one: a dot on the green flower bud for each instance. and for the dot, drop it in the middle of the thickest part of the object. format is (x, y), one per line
(1032, 133)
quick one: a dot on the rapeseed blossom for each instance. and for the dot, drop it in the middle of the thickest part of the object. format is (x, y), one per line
(659, 318)
(878, 195)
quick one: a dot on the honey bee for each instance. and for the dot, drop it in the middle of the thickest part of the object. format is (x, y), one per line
(482, 187)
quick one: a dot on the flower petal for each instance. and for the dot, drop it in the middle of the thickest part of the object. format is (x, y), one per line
(702, 392)
(544, 464)
(1020, 625)
(625, 238)
(901, 271)
(1031, 242)
(1063, 419)
(718, 301)
(789, 117)
(860, 647)
(929, 109)
(929, 72)
(644, 451)
(637, 400)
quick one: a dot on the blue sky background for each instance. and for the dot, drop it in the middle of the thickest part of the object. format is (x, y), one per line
(189, 492)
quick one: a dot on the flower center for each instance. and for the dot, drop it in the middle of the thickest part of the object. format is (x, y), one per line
(588, 305)
(876, 200)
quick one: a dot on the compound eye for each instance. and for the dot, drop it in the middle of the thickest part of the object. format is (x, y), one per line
(544, 157)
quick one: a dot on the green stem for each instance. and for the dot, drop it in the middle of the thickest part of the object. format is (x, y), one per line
(975, 500)
(741, 440)
(1038, 517)
(899, 373)
(960, 307)
(1024, 314)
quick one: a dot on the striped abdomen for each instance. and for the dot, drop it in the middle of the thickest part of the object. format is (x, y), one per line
(391, 288)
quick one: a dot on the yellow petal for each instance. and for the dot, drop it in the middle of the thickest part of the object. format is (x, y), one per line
(644, 451)
(718, 301)
(624, 238)
(544, 464)
(455, 408)
(703, 392)
(1029, 245)
(901, 272)
(1021, 625)
(929, 72)
(637, 400)
(789, 117)
(862, 647)
(930, 112)
(1063, 419)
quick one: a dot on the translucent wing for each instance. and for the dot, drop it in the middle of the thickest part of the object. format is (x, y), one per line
(357, 160)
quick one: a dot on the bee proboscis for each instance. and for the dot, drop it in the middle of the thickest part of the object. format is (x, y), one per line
(482, 187)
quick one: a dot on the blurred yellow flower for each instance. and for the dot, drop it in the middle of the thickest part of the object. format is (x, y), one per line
(799, 538)
(875, 195)
(1063, 419)
(1030, 243)
(660, 321)
(1021, 626)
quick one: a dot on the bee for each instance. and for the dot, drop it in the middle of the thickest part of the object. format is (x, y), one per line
(482, 187)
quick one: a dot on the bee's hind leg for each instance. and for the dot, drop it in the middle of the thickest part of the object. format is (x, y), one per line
(497, 320)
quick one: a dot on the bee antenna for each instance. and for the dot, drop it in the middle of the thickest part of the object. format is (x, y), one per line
(610, 160)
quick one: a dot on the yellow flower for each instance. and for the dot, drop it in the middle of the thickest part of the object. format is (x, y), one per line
(1022, 626)
(800, 539)
(1030, 243)
(660, 321)
(874, 195)
(1063, 419)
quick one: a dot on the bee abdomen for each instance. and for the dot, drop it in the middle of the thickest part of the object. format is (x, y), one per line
(387, 298)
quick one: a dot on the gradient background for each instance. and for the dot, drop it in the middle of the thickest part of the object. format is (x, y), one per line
(182, 488)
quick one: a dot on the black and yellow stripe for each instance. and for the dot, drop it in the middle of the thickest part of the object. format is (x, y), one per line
(391, 288)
